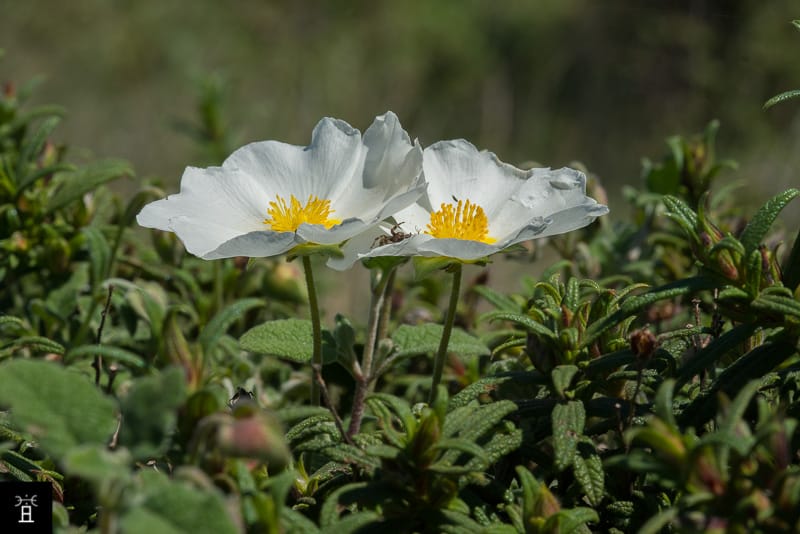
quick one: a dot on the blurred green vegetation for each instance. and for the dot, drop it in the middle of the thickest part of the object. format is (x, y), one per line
(552, 81)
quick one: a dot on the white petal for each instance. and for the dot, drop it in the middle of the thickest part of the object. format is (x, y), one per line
(415, 218)
(392, 165)
(456, 169)
(356, 248)
(212, 207)
(457, 248)
(316, 233)
(574, 217)
(320, 169)
(256, 245)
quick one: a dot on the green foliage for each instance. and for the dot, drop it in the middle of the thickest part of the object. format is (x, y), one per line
(786, 95)
(73, 412)
(597, 398)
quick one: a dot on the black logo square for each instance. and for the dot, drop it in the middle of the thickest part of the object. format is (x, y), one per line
(26, 507)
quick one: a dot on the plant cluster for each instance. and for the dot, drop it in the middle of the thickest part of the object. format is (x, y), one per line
(647, 382)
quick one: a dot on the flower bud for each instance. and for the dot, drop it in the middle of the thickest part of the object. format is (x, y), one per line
(257, 436)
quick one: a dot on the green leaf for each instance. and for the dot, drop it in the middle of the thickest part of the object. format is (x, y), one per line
(567, 420)
(524, 321)
(31, 149)
(777, 99)
(149, 412)
(588, 470)
(329, 513)
(777, 304)
(572, 521)
(287, 338)
(37, 343)
(756, 363)
(634, 304)
(736, 410)
(730, 340)
(663, 405)
(168, 507)
(60, 408)
(108, 352)
(562, 376)
(98, 465)
(499, 300)
(219, 324)
(681, 213)
(656, 524)
(759, 225)
(424, 339)
(294, 521)
(99, 254)
(75, 184)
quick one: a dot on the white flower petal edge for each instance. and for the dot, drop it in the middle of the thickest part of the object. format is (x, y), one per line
(220, 211)
(519, 205)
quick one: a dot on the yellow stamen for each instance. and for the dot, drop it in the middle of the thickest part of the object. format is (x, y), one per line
(287, 218)
(463, 221)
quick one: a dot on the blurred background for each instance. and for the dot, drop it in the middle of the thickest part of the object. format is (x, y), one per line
(553, 81)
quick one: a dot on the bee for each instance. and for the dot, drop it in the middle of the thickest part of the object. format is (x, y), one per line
(396, 235)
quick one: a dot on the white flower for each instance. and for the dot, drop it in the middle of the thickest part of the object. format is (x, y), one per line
(476, 205)
(269, 197)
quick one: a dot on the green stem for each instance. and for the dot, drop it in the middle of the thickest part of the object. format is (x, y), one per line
(316, 330)
(441, 354)
(365, 377)
(386, 312)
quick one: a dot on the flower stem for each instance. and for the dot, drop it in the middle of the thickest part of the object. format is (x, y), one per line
(365, 377)
(316, 329)
(441, 354)
(386, 312)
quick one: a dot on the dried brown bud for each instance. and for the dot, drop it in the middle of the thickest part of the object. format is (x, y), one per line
(643, 343)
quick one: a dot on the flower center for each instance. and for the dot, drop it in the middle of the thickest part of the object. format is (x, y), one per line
(285, 217)
(464, 220)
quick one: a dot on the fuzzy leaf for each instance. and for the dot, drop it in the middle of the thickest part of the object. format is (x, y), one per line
(329, 513)
(567, 420)
(681, 213)
(149, 411)
(167, 506)
(98, 465)
(61, 408)
(588, 469)
(777, 304)
(636, 303)
(287, 338)
(758, 362)
(31, 149)
(777, 99)
(524, 321)
(715, 350)
(37, 343)
(99, 254)
(424, 339)
(572, 521)
(562, 376)
(759, 225)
